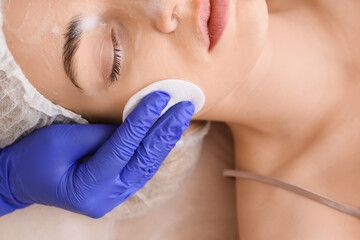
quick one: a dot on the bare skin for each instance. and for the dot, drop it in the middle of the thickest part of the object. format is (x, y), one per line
(289, 92)
(300, 124)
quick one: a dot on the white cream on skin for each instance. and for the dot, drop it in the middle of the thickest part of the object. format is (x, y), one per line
(90, 23)
(179, 91)
(151, 8)
(138, 38)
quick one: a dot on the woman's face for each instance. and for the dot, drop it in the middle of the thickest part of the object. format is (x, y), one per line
(90, 56)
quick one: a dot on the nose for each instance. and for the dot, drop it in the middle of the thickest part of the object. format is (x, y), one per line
(165, 17)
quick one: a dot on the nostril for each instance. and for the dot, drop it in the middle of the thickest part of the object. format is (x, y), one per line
(174, 23)
(168, 18)
(168, 24)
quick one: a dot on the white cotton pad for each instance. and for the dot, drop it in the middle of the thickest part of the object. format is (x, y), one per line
(179, 91)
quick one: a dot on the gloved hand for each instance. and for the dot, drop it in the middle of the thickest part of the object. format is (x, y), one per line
(44, 166)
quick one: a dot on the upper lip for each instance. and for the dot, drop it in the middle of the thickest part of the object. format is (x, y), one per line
(212, 17)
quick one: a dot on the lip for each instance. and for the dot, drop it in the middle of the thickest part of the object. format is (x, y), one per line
(213, 16)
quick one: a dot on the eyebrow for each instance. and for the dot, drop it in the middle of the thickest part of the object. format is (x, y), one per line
(71, 46)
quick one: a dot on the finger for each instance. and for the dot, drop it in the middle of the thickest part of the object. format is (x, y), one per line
(160, 140)
(118, 150)
(77, 141)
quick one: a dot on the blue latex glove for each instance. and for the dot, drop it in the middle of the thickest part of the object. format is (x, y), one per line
(44, 166)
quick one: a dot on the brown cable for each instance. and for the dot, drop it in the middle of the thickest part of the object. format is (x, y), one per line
(302, 191)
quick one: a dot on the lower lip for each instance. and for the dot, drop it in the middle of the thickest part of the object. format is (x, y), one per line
(213, 17)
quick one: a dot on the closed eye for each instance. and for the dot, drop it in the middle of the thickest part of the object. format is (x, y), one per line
(117, 61)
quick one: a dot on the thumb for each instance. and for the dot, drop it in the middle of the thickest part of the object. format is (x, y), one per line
(78, 141)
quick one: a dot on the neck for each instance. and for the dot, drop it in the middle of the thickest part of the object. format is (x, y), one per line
(295, 92)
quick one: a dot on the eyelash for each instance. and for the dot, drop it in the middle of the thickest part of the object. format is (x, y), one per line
(117, 60)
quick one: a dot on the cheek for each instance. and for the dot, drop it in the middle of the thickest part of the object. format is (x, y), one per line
(154, 58)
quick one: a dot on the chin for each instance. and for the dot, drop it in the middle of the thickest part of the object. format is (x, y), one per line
(240, 49)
